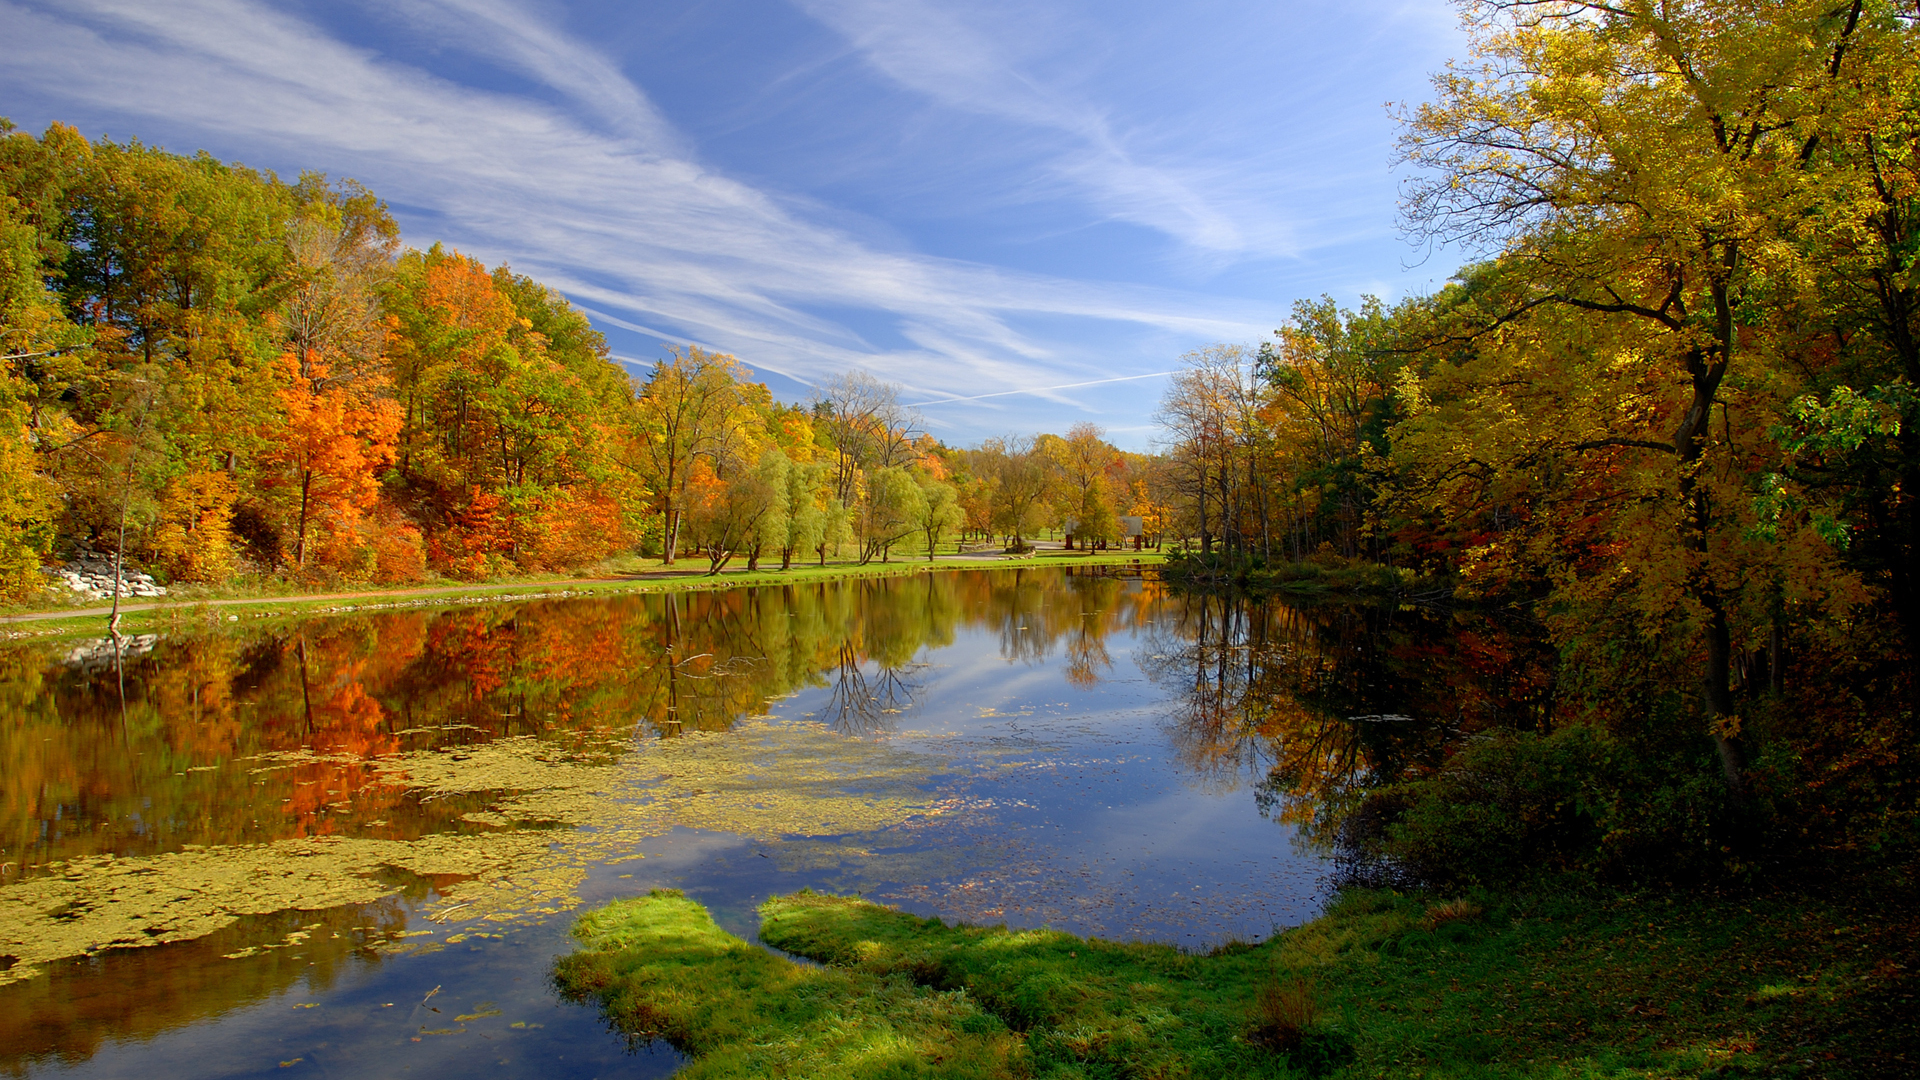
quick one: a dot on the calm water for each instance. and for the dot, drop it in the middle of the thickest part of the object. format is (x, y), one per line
(354, 847)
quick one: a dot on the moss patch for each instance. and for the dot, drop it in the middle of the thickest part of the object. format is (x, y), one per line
(660, 968)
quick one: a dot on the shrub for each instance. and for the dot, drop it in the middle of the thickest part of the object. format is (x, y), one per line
(399, 556)
(1519, 806)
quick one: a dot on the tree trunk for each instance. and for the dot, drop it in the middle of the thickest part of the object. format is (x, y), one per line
(1206, 538)
(300, 543)
(1707, 367)
(1719, 693)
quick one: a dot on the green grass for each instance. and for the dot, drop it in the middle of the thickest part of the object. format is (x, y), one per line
(192, 607)
(1566, 986)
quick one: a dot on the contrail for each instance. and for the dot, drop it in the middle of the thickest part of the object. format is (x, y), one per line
(1042, 389)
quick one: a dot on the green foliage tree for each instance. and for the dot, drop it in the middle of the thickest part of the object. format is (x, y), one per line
(938, 513)
(895, 507)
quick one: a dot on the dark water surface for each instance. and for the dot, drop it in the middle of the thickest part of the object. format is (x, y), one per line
(353, 846)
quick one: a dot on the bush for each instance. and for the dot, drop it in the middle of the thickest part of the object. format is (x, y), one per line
(1521, 806)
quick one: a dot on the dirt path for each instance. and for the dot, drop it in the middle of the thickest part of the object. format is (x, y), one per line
(479, 590)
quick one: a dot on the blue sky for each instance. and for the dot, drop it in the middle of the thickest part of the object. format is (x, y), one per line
(1045, 203)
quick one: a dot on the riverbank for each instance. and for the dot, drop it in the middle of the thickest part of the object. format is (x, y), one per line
(625, 576)
(1790, 983)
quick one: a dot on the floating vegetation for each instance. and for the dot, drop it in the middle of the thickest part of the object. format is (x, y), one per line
(763, 780)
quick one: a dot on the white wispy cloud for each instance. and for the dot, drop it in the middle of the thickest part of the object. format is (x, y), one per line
(592, 190)
(939, 52)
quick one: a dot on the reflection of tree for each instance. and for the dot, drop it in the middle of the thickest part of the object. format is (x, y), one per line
(1312, 705)
(1087, 653)
(143, 759)
(128, 994)
(859, 705)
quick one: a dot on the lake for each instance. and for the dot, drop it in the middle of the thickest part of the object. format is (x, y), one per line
(353, 846)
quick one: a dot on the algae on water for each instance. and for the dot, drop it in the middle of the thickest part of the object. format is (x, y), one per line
(763, 780)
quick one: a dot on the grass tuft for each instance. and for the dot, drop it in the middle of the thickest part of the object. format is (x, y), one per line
(1451, 911)
(1283, 1012)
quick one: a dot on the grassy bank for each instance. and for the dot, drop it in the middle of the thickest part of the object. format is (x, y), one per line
(191, 609)
(1383, 985)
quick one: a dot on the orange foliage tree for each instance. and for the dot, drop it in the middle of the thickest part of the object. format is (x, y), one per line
(326, 450)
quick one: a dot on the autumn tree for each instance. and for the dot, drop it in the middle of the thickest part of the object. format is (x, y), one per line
(1637, 164)
(331, 441)
(1083, 459)
(865, 425)
(1210, 412)
(1330, 376)
(1018, 477)
(685, 409)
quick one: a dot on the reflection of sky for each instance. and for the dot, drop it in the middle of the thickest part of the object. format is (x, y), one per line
(1111, 837)
(1075, 814)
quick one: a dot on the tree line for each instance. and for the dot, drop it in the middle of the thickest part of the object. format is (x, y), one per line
(224, 375)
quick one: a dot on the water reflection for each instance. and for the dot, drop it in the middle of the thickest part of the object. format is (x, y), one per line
(1310, 705)
(136, 762)
(445, 776)
(258, 957)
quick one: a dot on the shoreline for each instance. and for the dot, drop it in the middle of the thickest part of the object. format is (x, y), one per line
(149, 615)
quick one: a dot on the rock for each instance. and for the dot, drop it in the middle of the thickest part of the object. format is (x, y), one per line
(91, 573)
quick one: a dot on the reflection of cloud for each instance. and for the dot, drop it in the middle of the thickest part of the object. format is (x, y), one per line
(592, 191)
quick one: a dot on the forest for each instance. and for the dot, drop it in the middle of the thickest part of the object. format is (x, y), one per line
(226, 377)
(1668, 413)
